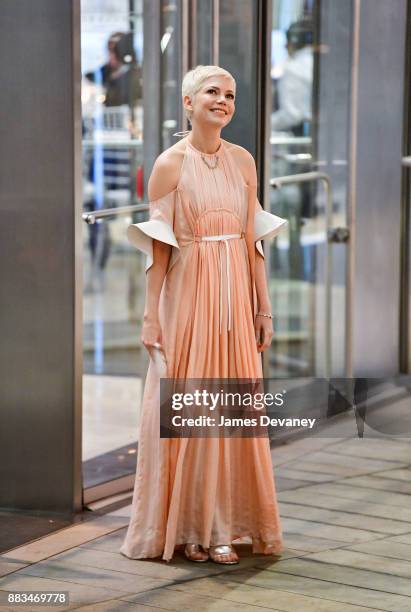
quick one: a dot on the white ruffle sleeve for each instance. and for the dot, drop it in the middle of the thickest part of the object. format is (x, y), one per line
(159, 227)
(266, 226)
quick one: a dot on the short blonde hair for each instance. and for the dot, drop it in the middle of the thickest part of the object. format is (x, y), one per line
(193, 80)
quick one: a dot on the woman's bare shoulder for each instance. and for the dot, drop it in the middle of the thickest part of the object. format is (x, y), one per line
(245, 162)
(166, 171)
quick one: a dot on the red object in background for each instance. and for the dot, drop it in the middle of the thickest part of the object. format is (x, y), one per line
(139, 183)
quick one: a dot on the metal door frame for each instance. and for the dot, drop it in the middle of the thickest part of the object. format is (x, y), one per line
(405, 298)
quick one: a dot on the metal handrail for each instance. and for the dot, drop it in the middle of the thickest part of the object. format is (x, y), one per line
(91, 217)
(304, 177)
(294, 158)
(115, 144)
(278, 183)
(290, 140)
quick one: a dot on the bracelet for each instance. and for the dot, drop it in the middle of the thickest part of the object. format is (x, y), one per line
(265, 314)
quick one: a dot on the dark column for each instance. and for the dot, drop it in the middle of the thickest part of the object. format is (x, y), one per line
(376, 187)
(41, 255)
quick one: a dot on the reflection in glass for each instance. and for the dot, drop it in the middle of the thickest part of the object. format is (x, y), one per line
(112, 126)
(291, 261)
(308, 122)
(170, 46)
(294, 81)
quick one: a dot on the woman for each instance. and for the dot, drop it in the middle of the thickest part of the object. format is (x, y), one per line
(201, 310)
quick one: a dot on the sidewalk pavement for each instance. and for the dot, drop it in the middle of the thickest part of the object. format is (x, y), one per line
(345, 504)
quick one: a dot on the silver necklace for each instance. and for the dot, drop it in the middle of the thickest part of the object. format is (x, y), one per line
(209, 165)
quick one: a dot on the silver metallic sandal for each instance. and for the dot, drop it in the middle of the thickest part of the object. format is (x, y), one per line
(223, 549)
(194, 548)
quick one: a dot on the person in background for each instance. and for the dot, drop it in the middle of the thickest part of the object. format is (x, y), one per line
(296, 84)
(120, 81)
(294, 115)
(121, 74)
(101, 75)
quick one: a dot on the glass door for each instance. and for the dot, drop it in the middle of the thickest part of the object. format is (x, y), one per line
(130, 111)
(309, 120)
(130, 114)
(112, 126)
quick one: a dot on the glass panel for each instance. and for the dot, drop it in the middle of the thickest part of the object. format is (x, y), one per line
(238, 49)
(204, 32)
(309, 128)
(170, 46)
(112, 50)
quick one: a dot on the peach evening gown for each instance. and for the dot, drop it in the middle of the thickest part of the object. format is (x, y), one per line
(208, 491)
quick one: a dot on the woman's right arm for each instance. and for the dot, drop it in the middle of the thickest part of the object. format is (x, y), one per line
(162, 181)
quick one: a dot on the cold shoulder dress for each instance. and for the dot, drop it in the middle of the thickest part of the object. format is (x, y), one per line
(208, 491)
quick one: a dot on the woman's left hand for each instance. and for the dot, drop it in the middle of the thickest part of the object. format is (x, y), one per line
(263, 332)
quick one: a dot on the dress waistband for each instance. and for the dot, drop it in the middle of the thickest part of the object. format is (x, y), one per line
(219, 237)
(223, 238)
